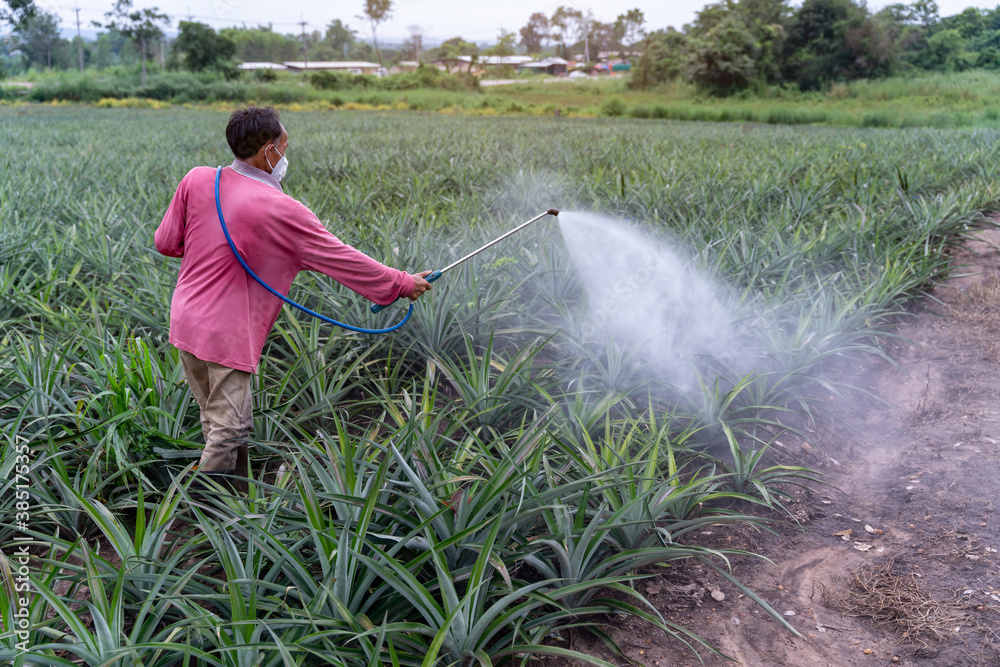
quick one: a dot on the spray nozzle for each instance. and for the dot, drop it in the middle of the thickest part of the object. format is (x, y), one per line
(553, 211)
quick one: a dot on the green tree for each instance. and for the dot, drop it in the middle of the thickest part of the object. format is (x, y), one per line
(262, 44)
(907, 27)
(451, 49)
(736, 44)
(564, 25)
(970, 23)
(141, 26)
(724, 59)
(414, 44)
(506, 45)
(987, 50)
(38, 36)
(11, 64)
(835, 40)
(202, 47)
(664, 58)
(603, 37)
(925, 12)
(377, 12)
(17, 12)
(630, 28)
(339, 39)
(535, 32)
(947, 50)
(107, 49)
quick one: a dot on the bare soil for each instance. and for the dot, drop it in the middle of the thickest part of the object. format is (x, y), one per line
(915, 464)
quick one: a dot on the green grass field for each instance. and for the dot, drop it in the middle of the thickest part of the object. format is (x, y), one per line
(933, 100)
(469, 488)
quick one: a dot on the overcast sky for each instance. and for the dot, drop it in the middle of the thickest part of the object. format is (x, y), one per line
(439, 19)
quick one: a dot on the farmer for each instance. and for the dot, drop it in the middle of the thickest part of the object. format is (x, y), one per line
(219, 316)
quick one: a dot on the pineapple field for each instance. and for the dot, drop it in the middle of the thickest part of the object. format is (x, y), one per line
(561, 421)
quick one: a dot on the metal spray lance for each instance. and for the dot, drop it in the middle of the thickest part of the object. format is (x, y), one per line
(437, 274)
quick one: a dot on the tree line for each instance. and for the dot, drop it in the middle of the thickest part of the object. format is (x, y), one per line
(731, 46)
(737, 45)
(130, 36)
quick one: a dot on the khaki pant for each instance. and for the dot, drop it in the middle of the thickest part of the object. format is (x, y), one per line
(223, 394)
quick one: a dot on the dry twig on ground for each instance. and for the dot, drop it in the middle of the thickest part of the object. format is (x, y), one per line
(895, 600)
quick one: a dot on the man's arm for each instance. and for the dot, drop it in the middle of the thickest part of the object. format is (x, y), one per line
(169, 236)
(324, 252)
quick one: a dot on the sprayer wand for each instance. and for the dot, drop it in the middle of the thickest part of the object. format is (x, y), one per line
(437, 274)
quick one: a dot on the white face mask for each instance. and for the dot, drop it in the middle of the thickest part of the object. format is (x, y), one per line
(278, 170)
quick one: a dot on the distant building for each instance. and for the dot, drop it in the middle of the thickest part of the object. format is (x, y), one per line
(452, 65)
(352, 66)
(462, 63)
(555, 66)
(500, 61)
(261, 66)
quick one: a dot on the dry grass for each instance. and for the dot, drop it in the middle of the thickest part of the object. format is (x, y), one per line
(896, 601)
(977, 306)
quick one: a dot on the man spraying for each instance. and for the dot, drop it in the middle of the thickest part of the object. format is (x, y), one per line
(219, 316)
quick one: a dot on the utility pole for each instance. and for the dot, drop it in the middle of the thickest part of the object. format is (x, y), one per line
(79, 38)
(305, 50)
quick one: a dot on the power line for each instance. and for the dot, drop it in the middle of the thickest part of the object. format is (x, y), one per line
(190, 17)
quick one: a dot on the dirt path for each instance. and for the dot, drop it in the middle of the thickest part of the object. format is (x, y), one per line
(916, 580)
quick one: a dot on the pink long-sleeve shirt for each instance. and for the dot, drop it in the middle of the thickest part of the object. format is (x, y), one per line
(218, 312)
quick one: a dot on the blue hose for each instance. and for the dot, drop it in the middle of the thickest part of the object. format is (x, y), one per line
(232, 246)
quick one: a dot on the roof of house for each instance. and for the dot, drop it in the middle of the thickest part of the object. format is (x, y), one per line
(331, 64)
(490, 60)
(261, 65)
(547, 62)
(505, 60)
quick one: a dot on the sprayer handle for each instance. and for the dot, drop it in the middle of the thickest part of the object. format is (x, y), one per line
(431, 277)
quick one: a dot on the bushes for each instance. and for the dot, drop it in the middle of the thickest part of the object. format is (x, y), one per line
(640, 112)
(173, 87)
(78, 89)
(782, 116)
(331, 80)
(876, 119)
(426, 76)
(613, 107)
(423, 77)
(265, 75)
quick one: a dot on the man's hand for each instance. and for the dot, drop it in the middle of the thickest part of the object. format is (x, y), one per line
(419, 285)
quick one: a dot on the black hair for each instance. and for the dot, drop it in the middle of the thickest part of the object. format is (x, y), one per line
(251, 128)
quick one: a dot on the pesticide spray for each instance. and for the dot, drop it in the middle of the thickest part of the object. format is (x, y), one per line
(647, 297)
(640, 292)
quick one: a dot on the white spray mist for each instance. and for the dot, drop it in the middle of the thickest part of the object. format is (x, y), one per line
(646, 296)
